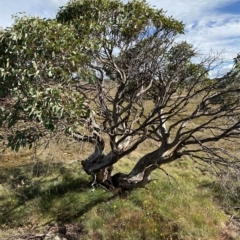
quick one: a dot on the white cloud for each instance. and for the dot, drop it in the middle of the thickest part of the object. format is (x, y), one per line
(222, 35)
(44, 8)
(206, 26)
(220, 71)
(189, 11)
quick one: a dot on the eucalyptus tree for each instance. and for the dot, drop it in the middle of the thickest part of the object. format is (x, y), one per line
(113, 75)
(37, 60)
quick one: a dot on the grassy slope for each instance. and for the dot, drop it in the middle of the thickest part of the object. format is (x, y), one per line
(37, 190)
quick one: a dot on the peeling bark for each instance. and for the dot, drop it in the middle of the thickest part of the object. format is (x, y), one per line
(153, 95)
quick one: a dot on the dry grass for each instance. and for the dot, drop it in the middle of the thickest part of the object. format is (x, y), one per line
(47, 186)
(55, 190)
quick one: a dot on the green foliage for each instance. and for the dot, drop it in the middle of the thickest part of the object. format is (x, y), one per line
(112, 23)
(237, 61)
(180, 63)
(35, 51)
(42, 65)
(43, 60)
(59, 194)
(38, 61)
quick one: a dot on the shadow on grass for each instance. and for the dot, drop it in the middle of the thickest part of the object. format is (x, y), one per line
(60, 194)
(226, 190)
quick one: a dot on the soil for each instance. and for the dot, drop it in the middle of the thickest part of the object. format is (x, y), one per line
(50, 232)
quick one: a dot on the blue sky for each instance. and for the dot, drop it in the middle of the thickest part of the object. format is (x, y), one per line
(233, 7)
(210, 25)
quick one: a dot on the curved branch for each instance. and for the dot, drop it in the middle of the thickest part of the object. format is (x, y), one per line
(98, 151)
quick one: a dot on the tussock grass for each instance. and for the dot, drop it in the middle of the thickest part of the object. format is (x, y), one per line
(51, 188)
(46, 185)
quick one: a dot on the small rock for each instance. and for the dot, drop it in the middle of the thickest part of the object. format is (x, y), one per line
(51, 236)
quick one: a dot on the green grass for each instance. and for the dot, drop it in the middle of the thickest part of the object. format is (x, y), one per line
(184, 206)
(48, 188)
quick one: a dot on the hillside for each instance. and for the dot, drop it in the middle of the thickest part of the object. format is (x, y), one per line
(112, 128)
(45, 193)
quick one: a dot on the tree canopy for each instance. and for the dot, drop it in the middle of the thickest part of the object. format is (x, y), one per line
(113, 75)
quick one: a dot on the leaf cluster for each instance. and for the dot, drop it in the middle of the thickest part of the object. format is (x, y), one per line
(39, 64)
